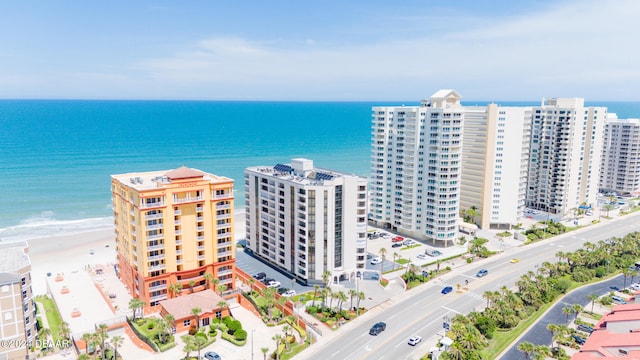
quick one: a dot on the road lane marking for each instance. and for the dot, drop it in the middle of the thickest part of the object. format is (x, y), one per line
(446, 308)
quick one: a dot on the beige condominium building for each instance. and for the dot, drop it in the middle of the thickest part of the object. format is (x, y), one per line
(173, 227)
(620, 169)
(495, 157)
(17, 308)
(306, 220)
(566, 148)
(416, 167)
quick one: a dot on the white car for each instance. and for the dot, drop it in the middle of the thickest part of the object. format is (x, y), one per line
(289, 293)
(409, 243)
(376, 260)
(273, 284)
(414, 340)
(635, 287)
(422, 256)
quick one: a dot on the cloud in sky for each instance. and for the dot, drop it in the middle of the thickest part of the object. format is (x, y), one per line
(573, 49)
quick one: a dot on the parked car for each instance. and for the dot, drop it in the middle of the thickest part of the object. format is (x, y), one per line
(397, 239)
(634, 286)
(376, 260)
(266, 280)
(259, 276)
(396, 245)
(377, 328)
(91, 252)
(414, 340)
(578, 339)
(273, 284)
(408, 242)
(585, 328)
(282, 290)
(212, 355)
(618, 299)
(447, 289)
(482, 272)
(289, 293)
(422, 256)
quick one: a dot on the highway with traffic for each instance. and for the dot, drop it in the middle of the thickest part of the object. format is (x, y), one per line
(421, 311)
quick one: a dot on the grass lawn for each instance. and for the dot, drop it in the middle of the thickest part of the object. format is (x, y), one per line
(293, 350)
(53, 316)
(402, 261)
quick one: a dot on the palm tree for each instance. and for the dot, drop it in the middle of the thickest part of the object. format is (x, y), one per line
(315, 294)
(382, 252)
(352, 293)
(207, 279)
(251, 282)
(175, 289)
(64, 331)
(86, 338)
(361, 296)
(116, 341)
(198, 343)
(222, 288)
(342, 297)
(43, 334)
(103, 334)
(134, 305)
(395, 254)
(567, 310)
(214, 283)
(285, 329)
(326, 277)
(577, 309)
(163, 330)
(196, 311)
(541, 352)
(593, 298)
(527, 348)
(553, 329)
(264, 350)
(223, 305)
(471, 213)
(188, 345)
(94, 341)
(277, 339)
(192, 284)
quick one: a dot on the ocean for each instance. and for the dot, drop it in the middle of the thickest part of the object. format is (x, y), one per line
(56, 156)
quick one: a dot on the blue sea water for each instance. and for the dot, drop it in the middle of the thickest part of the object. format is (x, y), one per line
(56, 156)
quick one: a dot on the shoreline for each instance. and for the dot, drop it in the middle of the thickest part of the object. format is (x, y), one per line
(71, 252)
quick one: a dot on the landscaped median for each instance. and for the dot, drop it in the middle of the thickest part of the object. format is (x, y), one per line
(53, 315)
(154, 332)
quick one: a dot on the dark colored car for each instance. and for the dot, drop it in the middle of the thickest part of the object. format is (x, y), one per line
(259, 276)
(377, 328)
(482, 272)
(395, 245)
(282, 290)
(267, 280)
(447, 289)
(579, 340)
(585, 328)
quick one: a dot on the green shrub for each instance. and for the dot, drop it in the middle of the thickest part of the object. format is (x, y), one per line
(234, 325)
(240, 334)
(601, 272)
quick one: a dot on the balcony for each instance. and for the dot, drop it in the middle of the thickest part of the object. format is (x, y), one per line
(157, 287)
(153, 216)
(225, 253)
(201, 257)
(225, 272)
(156, 257)
(157, 267)
(177, 200)
(144, 205)
(155, 237)
(155, 226)
(155, 247)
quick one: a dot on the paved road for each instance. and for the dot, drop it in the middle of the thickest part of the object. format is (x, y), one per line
(538, 333)
(421, 311)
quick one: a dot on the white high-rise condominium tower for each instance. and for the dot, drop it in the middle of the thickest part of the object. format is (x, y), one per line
(620, 169)
(495, 159)
(307, 220)
(416, 167)
(566, 148)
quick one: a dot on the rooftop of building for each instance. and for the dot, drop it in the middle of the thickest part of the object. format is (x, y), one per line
(180, 307)
(158, 179)
(303, 172)
(13, 256)
(605, 344)
(9, 278)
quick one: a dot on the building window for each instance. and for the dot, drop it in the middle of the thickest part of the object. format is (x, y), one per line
(186, 322)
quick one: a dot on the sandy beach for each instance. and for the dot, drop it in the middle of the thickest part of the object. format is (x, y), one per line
(69, 253)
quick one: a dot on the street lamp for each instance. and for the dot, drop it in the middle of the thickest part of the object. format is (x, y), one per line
(252, 332)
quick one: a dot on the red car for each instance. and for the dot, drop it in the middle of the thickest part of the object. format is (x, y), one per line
(397, 239)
